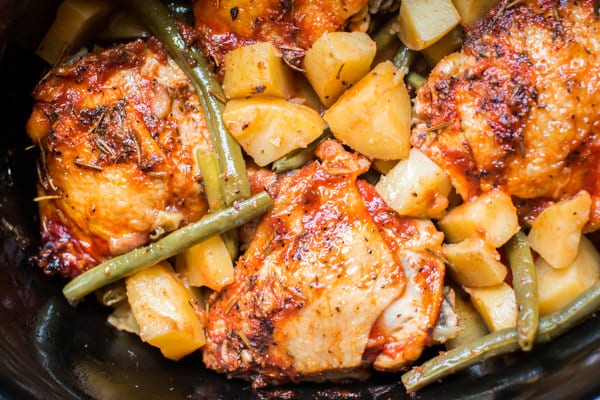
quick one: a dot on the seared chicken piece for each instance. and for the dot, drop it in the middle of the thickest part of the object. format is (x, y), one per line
(117, 131)
(225, 25)
(518, 107)
(333, 281)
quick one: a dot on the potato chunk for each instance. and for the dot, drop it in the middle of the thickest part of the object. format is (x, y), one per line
(423, 22)
(491, 216)
(337, 60)
(162, 307)
(269, 128)
(556, 231)
(373, 116)
(256, 69)
(557, 287)
(496, 305)
(416, 187)
(472, 10)
(474, 263)
(76, 21)
(208, 263)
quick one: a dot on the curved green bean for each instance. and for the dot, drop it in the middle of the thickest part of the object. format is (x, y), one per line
(127, 264)
(156, 17)
(525, 286)
(502, 342)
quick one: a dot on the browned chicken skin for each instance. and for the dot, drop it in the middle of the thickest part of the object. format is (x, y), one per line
(116, 130)
(311, 293)
(517, 108)
(225, 25)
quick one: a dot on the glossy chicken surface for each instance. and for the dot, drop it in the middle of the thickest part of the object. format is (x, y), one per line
(116, 130)
(518, 107)
(225, 25)
(333, 281)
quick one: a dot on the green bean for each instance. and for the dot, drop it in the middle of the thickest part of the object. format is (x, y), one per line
(213, 186)
(209, 168)
(386, 41)
(124, 265)
(525, 286)
(156, 17)
(404, 58)
(502, 342)
(299, 157)
(415, 80)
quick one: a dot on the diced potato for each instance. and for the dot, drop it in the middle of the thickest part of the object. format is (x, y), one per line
(446, 45)
(163, 309)
(76, 21)
(557, 287)
(556, 231)
(269, 128)
(496, 305)
(491, 216)
(472, 10)
(207, 263)
(416, 187)
(424, 22)
(337, 60)
(256, 69)
(373, 116)
(474, 263)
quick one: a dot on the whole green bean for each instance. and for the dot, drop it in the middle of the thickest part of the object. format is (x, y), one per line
(525, 286)
(156, 17)
(124, 265)
(502, 342)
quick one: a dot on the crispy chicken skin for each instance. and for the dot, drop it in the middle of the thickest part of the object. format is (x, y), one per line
(310, 294)
(116, 131)
(225, 25)
(518, 107)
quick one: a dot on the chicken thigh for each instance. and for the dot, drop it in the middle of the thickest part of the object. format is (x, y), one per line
(116, 131)
(517, 108)
(311, 292)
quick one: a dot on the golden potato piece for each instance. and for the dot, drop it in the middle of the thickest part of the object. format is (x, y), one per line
(556, 231)
(496, 304)
(336, 61)
(491, 216)
(162, 307)
(423, 22)
(373, 116)
(474, 263)
(256, 69)
(557, 287)
(268, 127)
